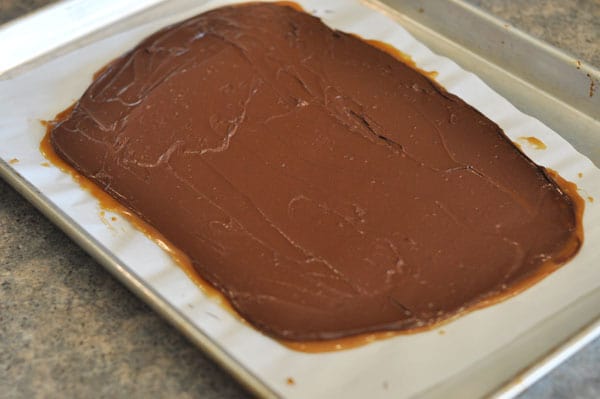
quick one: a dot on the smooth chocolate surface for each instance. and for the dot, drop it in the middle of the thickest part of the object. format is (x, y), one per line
(324, 187)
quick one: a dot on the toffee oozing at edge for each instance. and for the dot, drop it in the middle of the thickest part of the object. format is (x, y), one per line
(324, 187)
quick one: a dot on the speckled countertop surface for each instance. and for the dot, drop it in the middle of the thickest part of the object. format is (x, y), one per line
(68, 329)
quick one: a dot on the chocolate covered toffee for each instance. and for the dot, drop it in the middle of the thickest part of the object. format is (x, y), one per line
(323, 186)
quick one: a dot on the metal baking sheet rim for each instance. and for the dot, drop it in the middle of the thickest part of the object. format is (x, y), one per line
(519, 382)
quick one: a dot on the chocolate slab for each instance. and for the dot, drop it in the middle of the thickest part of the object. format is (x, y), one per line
(324, 187)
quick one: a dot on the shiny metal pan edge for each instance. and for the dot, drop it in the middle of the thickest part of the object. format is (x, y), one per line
(558, 96)
(552, 359)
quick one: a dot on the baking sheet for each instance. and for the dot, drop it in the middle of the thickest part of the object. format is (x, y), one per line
(403, 366)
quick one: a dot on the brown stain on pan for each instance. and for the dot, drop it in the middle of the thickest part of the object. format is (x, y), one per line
(592, 85)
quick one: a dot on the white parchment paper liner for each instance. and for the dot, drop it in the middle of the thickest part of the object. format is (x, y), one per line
(398, 367)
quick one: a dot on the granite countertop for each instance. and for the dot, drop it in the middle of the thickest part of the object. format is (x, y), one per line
(69, 329)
